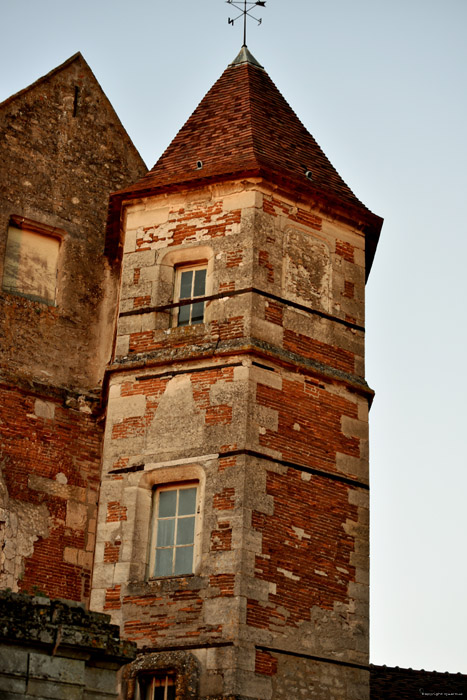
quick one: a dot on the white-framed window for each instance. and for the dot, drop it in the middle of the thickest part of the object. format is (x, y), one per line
(190, 283)
(157, 687)
(174, 531)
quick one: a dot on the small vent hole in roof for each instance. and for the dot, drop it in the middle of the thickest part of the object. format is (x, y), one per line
(309, 174)
(199, 164)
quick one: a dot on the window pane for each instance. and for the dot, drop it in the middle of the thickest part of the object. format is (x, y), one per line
(167, 503)
(197, 313)
(159, 693)
(163, 565)
(184, 315)
(200, 283)
(186, 530)
(184, 560)
(185, 284)
(171, 692)
(165, 532)
(187, 501)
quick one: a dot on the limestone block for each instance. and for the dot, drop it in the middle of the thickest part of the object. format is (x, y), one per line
(243, 200)
(251, 685)
(149, 274)
(70, 555)
(351, 465)
(121, 573)
(8, 684)
(267, 378)
(52, 690)
(363, 411)
(97, 600)
(122, 346)
(267, 417)
(130, 242)
(142, 258)
(100, 680)
(13, 661)
(76, 515)
(146, 218)
(55, 668)
(359, 497)
(354, 428)
(148, 321)
(359, 591)
(267, 331)
(103, 575)
(360, 366)
(99, 551)
(136, 290)
(255, 588)
(44, 409)
(211, 684)
(85, 559)
(216, 609)
(127, 407)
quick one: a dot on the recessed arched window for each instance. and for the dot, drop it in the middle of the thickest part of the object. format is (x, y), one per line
(174, 531)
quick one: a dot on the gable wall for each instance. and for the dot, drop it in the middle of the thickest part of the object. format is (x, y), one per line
(62, 151)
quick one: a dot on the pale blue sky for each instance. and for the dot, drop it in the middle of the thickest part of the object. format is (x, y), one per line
(381, 85)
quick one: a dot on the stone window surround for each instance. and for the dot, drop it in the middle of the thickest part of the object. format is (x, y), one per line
(167, 263)
(142, 529)
(157, 490)
(179, 270)
(182, 663)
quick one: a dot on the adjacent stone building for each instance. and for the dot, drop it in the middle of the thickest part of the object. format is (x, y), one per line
(183, 411)
(62, 150)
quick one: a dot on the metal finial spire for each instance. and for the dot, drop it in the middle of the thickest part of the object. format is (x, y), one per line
(245, 8)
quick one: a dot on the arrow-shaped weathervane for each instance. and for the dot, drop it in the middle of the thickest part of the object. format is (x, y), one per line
(245, 8)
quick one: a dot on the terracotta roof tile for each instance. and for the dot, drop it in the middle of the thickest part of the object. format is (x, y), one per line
(245, 124)
(244, 127)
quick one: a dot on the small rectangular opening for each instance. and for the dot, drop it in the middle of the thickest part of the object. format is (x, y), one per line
(76, 101)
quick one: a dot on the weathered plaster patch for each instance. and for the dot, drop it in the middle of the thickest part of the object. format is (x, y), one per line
(21, 524)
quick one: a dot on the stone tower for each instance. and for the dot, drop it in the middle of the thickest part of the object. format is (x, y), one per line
(232, 541)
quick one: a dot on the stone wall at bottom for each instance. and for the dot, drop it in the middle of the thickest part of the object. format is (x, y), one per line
(55, 649)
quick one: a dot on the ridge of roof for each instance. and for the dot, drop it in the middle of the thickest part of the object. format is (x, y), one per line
(245, 124)
(76, 56)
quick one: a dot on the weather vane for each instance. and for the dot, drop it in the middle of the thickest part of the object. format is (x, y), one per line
(245, 8)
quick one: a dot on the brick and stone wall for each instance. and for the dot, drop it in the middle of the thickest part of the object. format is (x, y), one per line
(49, 488)
(63, 150)
(265, 406)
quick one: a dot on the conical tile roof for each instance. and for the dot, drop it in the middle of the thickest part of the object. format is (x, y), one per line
(244, 125)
